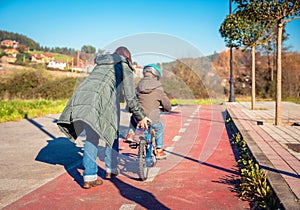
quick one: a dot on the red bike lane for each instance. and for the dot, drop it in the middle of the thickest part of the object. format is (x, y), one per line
(199, 172)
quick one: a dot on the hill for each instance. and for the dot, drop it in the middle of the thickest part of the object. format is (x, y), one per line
(24, 40)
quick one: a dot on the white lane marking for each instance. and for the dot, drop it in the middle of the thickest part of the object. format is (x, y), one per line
(186, 124)
(155, 170)
(152, 174)
(176, 138)
(169, 149)
(189, 120)
(182, 130)
(127, 206)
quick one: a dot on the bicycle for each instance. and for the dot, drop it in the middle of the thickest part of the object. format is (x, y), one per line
(146, 157)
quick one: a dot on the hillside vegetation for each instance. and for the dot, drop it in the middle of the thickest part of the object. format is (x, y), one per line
(194, 80)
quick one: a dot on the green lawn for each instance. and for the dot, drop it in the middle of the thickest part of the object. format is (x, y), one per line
(15, 110)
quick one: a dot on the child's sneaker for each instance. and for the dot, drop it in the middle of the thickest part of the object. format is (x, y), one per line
(160, 154)
(129, 137)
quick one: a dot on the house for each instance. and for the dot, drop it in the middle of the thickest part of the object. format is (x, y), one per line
(79, 67)
(8, 59)
(9, 43)
(11, 52)
(42, 58)
(57, 64)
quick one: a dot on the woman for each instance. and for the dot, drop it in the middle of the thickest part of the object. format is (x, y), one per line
(95, 108)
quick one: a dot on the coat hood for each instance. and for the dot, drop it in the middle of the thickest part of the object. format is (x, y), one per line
(147, 84)
(109, 59)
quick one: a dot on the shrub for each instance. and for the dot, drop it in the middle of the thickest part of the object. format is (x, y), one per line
(254, 186)
(36, 84)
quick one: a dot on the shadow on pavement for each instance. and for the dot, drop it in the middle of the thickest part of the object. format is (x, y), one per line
(129, 192)
(267, 168)
(39, 126)
(205, 163)
(60, 151)
(142, 197)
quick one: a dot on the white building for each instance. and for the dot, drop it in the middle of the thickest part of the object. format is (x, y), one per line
(57, 65)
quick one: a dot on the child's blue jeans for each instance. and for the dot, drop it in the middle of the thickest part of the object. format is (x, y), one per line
(159, 130)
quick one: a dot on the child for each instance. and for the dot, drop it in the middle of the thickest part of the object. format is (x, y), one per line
(151, 97)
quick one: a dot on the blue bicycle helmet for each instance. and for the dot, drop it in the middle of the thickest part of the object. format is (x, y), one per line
(154, 69)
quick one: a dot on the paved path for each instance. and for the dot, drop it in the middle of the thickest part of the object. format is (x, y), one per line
(276, 148)
(41, 169)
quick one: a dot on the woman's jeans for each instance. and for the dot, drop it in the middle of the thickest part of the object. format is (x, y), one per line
(111, 157)
(90, 155)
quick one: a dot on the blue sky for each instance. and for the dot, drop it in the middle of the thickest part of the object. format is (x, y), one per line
(74, 23)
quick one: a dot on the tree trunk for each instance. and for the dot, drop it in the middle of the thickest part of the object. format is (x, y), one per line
(278, 79)
(253, 78)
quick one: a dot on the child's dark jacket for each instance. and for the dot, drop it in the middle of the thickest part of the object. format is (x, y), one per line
(151, 95)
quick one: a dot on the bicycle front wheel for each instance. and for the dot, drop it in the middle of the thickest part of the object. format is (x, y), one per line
(142, 165)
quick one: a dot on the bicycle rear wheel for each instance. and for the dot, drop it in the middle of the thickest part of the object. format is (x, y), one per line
(142, 165)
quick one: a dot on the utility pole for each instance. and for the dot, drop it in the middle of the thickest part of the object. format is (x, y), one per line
(231, 80)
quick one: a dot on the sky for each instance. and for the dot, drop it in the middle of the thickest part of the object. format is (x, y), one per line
(164, 29)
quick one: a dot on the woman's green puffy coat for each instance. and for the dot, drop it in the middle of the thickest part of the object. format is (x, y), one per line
(96, 100)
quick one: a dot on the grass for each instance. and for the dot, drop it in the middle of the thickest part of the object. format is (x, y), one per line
(288, 99)
(291, 99)
(56, 56)
(15, 110)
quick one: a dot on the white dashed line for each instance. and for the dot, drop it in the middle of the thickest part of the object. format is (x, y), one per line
(169, 149)
(182, 130)
(189, 120)
(186, 124)
(176, 138)
(152, 174)
(127, 207)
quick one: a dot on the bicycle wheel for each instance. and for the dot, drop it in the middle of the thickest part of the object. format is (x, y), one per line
(142, 165)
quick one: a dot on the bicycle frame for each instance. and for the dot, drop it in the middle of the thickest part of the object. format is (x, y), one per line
(149, 134)
(145, 142)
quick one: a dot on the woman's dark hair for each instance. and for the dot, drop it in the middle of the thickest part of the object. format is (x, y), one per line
(124, 52)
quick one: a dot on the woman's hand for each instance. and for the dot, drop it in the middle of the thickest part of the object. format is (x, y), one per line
(144, 123)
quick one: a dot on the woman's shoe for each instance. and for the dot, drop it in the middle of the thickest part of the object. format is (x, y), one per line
(111, 175)
(88, 185)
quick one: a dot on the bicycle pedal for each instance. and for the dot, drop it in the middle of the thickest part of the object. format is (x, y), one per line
(133, 145)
